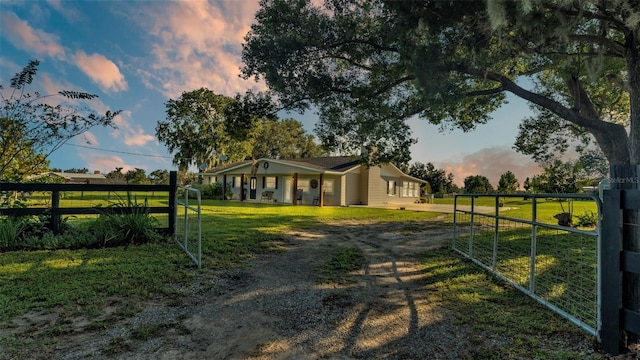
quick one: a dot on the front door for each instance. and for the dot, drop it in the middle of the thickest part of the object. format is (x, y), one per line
(288, 191)
(253, 186)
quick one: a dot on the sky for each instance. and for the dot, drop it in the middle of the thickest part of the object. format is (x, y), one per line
(136, 55)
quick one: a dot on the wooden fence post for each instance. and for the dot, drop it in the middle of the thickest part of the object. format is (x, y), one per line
(610, 290)
(173, 189)
(627, 177)
(55, 216)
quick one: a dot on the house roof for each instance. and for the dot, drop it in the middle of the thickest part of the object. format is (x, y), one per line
(325, 164)
(76, 176)
(232, 165)
(321, 164)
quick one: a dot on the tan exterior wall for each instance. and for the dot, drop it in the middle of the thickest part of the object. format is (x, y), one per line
(377, 187)
(353, 193)
(364, 187)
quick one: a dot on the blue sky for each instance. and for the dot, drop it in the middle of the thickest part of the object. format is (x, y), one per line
(138, 54)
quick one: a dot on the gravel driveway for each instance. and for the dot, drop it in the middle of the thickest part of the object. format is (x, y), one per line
(275, 309)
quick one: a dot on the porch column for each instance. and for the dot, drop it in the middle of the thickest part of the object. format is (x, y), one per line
(242, 187)
(343, 190)
(224, 187)
(295, 188)
(321, 189)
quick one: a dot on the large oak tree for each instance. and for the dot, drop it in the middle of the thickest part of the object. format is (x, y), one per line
(368, 66)
(201, 126)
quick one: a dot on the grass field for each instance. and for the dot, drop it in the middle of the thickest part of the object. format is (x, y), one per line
(232, 232)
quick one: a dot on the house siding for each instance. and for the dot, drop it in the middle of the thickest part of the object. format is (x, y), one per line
(353, 195)
(377, 192)
(364, 187)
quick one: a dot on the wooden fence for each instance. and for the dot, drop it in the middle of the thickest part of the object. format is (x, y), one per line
(618, 264)
(54, 211)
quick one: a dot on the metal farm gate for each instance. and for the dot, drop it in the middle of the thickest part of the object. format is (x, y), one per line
(188, 222)
(556, 265)
(577, 273)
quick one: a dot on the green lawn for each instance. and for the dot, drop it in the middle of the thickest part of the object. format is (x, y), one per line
(81, 280)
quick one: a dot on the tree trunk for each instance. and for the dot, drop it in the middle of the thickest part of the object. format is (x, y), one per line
(628, 177)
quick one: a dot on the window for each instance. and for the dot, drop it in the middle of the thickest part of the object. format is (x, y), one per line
(328, 186)
(269, 182)
(411, 189)
(235, 182)
(391, 187)
(304, 185)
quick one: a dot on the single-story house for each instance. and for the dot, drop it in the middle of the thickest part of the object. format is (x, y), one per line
(332, 181)
(78, 178)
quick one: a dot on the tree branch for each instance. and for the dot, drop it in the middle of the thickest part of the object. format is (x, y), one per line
(484, 92)
(393, 84)
(616, 47)
(611, 137)
(362, 42)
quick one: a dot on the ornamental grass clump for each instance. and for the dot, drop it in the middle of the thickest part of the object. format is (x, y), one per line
(10, 230)
(127, 223)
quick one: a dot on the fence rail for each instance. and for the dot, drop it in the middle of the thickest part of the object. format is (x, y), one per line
(55, 211)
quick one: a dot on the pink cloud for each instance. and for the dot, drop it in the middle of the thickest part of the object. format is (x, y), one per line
(25, 37)
(104, 163)
(198, 44)
(138, 138)
(131, 135)
(492, 163)
(101, 70)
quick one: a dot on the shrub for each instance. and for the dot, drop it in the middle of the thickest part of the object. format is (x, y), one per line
(587, 219)
(135, 227)
(209, 191)
(70, 239)
(116, 226)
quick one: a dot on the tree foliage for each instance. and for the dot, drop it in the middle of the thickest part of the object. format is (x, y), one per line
(159, 177)
(508, 183)
(32, 127)
(369, 65)
(195, 130)
(477, 184)
(201, 126)
(559, 178)
(283, 139)
(116, 174)
(439, 181)
(136, 176)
